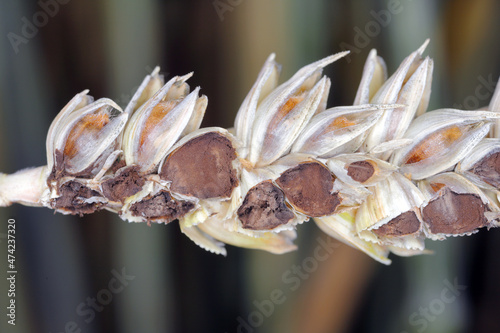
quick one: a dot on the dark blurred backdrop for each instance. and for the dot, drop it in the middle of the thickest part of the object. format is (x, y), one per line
(174, 286)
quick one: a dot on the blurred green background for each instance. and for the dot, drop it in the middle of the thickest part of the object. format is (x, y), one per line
(109, 46)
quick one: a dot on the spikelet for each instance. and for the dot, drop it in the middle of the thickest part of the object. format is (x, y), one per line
(381, 175)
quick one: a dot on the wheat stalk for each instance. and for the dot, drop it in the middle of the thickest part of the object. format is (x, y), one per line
(381, 175)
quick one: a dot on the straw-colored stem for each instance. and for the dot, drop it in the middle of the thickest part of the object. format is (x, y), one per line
(25, 187)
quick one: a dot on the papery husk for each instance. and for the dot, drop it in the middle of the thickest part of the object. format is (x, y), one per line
(77, 102)
(495, 107)
(339, 166)
(404, 252)
(282, 115)
(390, 198)
(277, 126)
(266, 81)
(337, 130)
(342, 227)
(203, 240)
(212, 235)
(405, 86)
(441, 138)
(149, 86)
(274, 242)
(147, 147)
(89, 149)
(393, 123)
(374, 76)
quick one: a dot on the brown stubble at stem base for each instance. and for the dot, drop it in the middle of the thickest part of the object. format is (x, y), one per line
(308, 187)
(202, 167)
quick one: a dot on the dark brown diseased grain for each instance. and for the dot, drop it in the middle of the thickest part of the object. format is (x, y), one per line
(404, 224)
(360, 171)
(264, 208)
(488, 169)
(202, 167)
(161, 207)
(308, 187)
(454, 213)
(72, 196)
(124, 184)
